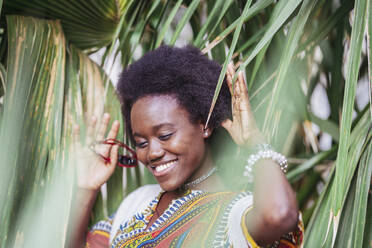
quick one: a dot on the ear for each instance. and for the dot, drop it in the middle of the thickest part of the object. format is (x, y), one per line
(207, 132)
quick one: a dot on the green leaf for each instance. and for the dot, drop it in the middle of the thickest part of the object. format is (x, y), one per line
(326, 126)
(369, 48)
(88, 25)
(185, 18)
(367, 239)
(276, 23)
(222, 14)
(139, 29)
(293, 39)
(32, 121)
(115, 37)
(360, 205)
(325, 28)
(256, 8)
(212, 16)
(352, 71)
(2, 80)
(353, 219)
(167, 23)
(228, 59)
(26, 135)
(253, 39)
(320, 228)
(257, 64)
(124, 40)
(318, 224)
(300, 170)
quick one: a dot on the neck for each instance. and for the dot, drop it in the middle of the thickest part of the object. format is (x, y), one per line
(211, 184)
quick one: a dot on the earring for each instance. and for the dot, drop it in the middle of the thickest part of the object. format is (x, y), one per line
(206, 133)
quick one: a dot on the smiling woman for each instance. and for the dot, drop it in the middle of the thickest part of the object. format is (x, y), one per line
(165, 100)
(171, 147)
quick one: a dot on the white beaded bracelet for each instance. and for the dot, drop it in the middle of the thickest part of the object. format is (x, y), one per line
(264, 151)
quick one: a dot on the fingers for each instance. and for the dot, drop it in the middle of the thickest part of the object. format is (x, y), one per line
(236, 113)
(90, 130)
(243, 120)
(239, 85)
(114, 155)
(243, 92)
(114, 130)
(103, 127)
(227, 124)
(229, 76)
(236, 88)
(243, 86)
(76, 137)
(241, 81)
(111, 135)
(105, 149)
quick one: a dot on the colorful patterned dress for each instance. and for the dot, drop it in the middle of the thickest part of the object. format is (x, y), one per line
(198, 219)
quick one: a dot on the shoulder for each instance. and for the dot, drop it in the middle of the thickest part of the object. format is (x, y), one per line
(135, 202)
(230, 229)
(143, 192)
(138, 199)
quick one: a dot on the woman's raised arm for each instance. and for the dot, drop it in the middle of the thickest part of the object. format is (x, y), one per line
(274, 211)
(92, 172)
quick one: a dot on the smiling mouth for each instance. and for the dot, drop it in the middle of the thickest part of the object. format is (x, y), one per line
(165, 166)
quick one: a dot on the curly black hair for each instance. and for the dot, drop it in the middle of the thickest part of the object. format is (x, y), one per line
(182, 72)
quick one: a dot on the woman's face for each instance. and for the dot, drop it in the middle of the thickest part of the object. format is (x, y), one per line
(170, 146)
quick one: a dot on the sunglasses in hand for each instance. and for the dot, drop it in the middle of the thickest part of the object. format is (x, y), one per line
(126, 161)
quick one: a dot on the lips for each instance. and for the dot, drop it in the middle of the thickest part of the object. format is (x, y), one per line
(164, 168)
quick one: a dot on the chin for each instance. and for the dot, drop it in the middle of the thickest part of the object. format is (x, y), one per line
(170, 186)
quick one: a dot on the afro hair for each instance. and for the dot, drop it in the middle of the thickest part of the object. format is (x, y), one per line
(181, 72)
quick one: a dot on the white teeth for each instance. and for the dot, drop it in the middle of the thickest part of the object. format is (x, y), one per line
(162, 167)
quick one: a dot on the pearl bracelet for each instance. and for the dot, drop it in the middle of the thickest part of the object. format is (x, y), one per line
(264, 151)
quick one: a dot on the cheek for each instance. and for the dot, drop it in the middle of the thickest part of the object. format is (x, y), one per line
(193, 146)
(183, 144)
(141, 155)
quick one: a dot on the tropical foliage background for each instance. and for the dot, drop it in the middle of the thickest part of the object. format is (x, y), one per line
(289, 50)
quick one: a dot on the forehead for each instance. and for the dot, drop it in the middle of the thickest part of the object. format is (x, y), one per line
(155, 110)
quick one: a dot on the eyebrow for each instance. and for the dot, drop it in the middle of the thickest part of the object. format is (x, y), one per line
(156, 128)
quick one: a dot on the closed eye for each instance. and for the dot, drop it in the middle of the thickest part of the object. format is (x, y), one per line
(165, 137)
(141, 144)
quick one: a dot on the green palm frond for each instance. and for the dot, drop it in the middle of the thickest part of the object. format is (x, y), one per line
(86, 24)
(287, 49)
(33, 112)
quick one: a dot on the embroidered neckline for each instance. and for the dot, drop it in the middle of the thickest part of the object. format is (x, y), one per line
(173, 207)
(144, 217)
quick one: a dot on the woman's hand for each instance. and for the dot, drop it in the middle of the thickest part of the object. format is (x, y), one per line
(92, 172)
(274, 211)
(242, 127)
(92, 169)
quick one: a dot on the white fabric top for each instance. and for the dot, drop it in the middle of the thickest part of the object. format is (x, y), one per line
(140, 199)
(134, 203)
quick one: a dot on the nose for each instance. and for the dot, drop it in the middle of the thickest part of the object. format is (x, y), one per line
(155, 151)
